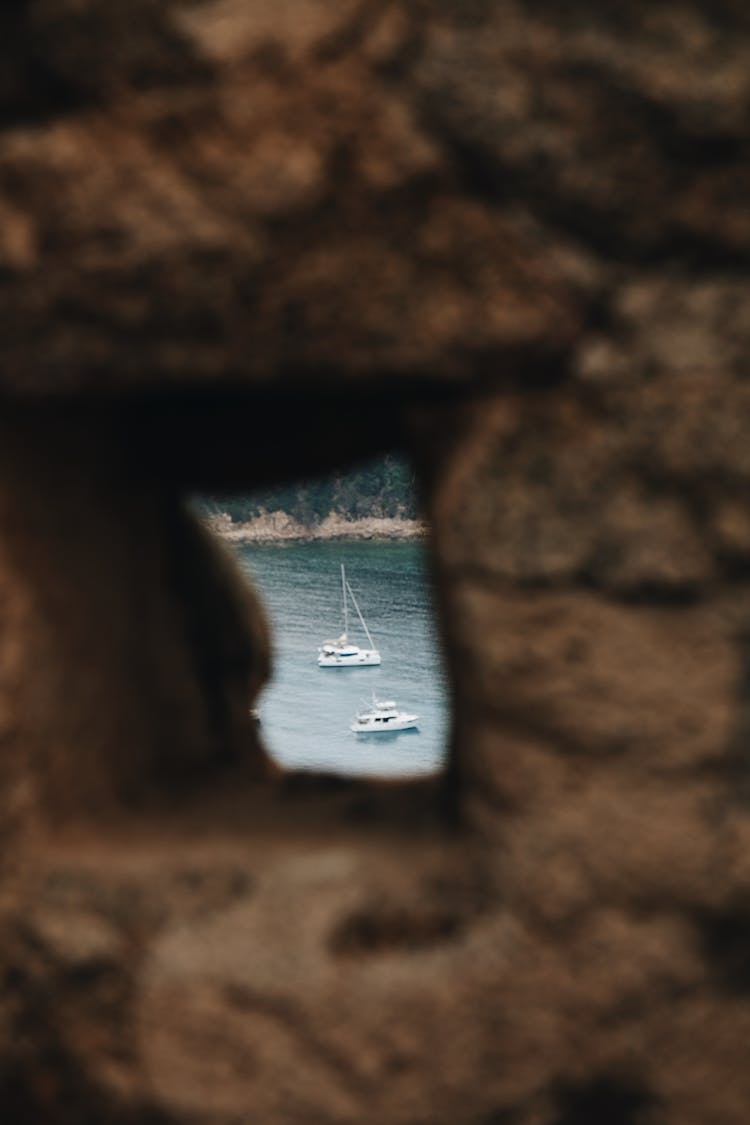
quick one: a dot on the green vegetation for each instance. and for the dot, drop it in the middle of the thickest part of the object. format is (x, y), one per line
(381, 488)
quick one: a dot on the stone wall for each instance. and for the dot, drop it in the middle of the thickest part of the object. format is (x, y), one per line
(240, 242)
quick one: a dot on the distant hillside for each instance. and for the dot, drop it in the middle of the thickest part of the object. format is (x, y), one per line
(381, 489)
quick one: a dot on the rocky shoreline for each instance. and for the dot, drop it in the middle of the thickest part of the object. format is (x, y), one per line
(276, 527)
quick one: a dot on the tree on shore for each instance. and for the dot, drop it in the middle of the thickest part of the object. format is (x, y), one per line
(383, 489)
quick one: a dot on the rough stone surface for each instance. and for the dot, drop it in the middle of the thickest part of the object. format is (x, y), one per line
(243, 241)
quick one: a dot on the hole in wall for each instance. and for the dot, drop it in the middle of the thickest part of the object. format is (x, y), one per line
(293, 541)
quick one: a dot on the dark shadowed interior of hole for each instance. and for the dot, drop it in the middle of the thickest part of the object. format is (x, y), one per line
(293, 541)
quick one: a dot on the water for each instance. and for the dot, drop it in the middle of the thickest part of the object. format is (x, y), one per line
(306, 710)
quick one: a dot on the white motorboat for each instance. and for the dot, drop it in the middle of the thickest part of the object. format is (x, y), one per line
(341, 653)
(383, 717)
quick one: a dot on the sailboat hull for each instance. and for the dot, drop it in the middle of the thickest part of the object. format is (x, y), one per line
(359, 659)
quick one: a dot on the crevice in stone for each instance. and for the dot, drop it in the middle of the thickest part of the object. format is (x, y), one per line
(725, 937)
(379, 931)
(604, 1099)
(53, 64)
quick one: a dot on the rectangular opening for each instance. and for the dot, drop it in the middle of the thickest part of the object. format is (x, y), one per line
(341, 565)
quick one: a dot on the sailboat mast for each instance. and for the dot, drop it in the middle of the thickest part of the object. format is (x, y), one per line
(359, 614)
(346, 608)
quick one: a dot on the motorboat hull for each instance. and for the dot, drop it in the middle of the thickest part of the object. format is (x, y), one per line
(386, 726)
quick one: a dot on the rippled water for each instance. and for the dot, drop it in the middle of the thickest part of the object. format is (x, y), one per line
(306, 710)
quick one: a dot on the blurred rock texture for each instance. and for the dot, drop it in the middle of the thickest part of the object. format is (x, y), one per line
(241, 240)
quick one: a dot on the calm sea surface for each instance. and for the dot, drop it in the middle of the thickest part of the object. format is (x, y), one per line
(306, 710)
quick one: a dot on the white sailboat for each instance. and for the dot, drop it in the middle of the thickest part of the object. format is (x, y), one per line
(341, 653)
